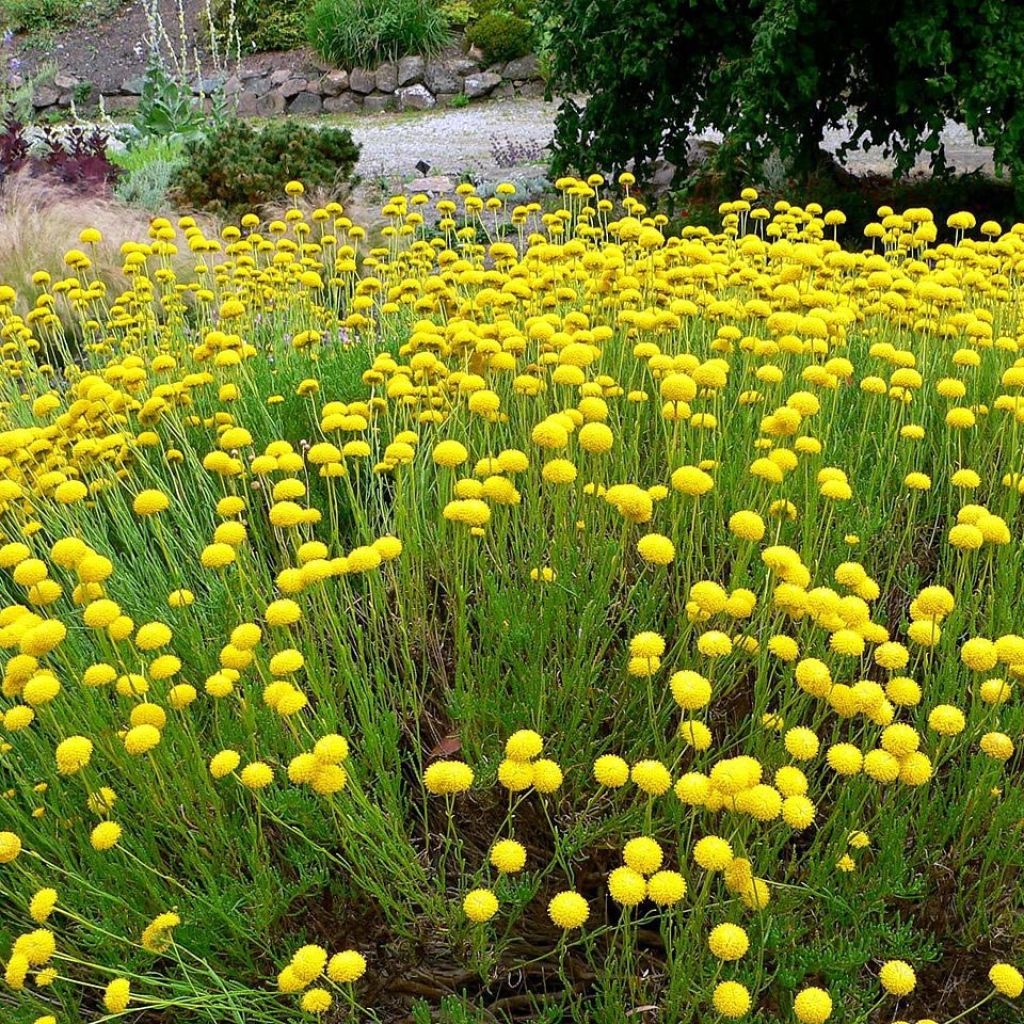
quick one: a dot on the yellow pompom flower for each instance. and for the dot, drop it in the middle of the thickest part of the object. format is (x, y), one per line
(897, 977)
(346, 967)
(652, 777)
(316, 1000)
(480, 905)
(655, 548)
(611, 770)
(117, 995)
(73, 754)
(1006, 980)
(712, 853)
(150, 503)
(812, 1006)
(731, 999)
(508, 856)
(728, 941)
(666, 888)
(523, 745)
(308, 962)
(627, 887)
(256, 775)
(156, 937)
(41, 905)
(568, 910)
(105, 835)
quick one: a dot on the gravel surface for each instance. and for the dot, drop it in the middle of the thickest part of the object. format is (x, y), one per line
(450, 140)
(453, 140)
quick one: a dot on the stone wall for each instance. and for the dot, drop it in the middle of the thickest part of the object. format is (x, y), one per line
(297, 83)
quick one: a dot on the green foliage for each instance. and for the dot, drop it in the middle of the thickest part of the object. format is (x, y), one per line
(459, 12)
(502, 36)
(38, 15)
(353, 33)
(264, 24)
(773, 75)
(16, 101)
(34, 17)
(168, 106)
(237, 166)
(149, 167)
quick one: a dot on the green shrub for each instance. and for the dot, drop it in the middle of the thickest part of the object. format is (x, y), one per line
(459, 12)
(264, 24)
(353, 33)
(32, 16)
(775, 75)
(37, 15)
(148, 167)
(501, 36)
(237, 167)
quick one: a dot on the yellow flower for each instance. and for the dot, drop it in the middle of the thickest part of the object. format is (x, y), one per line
(568, 910)
(117, 995)
(508, 856)
(731, 999)
(897, 977)
(1006, 980)
(812, 1006)
(728, 941)
(105, 835)
(480, 905)
(346, 967)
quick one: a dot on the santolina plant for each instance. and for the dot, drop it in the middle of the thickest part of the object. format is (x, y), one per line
(562, 627)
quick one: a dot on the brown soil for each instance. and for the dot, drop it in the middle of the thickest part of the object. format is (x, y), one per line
(116, 48)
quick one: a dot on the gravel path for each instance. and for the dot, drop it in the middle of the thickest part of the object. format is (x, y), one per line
(453, 140)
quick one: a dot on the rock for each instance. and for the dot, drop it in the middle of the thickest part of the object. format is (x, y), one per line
(132, 86)
(386, 77)
(45, 96)
(246, 104)
(661, 180)
(347, 103)
(280, 76)
(445, 99)
(438, 184)
(292, 87)
(438, 77)
(699, 152)
(306, 103)
(314, 67)
(120, 104)
(65, 81)
(257, 86)
(271, 103)
(533, 89)
(415, 97)
(505, 91)
(233, 86)
(208, 86)
(523, 67)
(361, 81)
(476, 86)
(334, 83)
(246, 73)
(410, 71)
(463, 65)
(379, 102)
